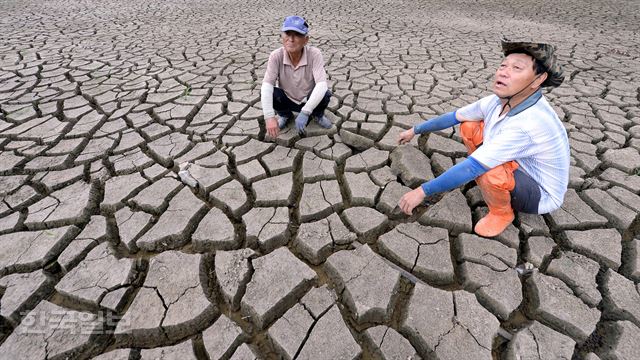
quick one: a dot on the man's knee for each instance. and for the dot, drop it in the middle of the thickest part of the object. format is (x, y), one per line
(281, 101)
(467, 127)
(325, 99)
(322, 106)
(471, 133)
(500, 177)
(278, 95)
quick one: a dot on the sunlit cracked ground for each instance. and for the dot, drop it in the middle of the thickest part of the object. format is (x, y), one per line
(293, 248)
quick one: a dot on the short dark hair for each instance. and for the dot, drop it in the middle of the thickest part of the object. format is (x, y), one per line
(538, 66)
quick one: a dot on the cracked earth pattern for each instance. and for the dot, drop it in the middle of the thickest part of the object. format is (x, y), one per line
(293, 248)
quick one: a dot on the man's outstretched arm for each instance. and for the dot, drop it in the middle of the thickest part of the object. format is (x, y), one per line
(456, 176)
(443, 121)
(438, 123)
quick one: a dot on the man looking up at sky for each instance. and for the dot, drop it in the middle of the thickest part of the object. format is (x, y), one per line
(518, 148)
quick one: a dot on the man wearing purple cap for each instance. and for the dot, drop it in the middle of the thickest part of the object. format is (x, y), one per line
(302, 87)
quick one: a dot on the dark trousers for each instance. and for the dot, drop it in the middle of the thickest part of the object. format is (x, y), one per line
(284, 106)
(525, 196)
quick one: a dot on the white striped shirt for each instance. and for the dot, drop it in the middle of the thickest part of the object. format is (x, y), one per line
(531, 134)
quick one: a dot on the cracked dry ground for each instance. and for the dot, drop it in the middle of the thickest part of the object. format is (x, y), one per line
(293, 248)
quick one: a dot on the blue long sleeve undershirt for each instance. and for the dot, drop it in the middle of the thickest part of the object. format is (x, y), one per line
(456, 176)
(438, 123)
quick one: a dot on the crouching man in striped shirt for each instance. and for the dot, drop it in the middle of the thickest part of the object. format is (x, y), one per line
(518, 148)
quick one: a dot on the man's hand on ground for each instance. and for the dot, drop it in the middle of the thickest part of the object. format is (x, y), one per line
(406, 136)
(410, 200)
(301, 121)
(272, 127)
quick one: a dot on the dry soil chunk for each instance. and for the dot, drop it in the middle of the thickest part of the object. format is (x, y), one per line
(367, 283)
(330, 339)
(422, 250)
(279, 279)
(554, 304)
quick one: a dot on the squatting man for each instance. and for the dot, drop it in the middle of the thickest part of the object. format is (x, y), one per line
(518, 148)
(299, 72)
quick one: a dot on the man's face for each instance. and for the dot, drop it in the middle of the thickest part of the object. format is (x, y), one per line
(293, 41)
(514, 74)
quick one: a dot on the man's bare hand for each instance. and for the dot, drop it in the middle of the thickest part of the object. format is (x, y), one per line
(272, 127)
(406, 136)
(410, 200)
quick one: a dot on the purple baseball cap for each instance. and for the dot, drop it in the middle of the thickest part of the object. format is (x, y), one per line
(295, 23)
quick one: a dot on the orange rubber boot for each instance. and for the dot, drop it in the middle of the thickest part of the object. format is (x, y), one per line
(495, 186)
